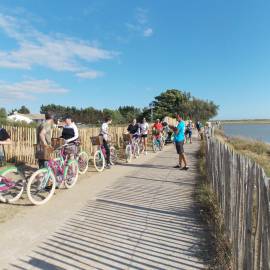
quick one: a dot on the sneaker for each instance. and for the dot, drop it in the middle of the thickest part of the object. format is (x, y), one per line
(184, 168)
(177, 167)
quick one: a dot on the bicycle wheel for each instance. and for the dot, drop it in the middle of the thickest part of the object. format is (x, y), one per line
(41, 186)
(155, 146)
(136, 150)
(83, 161)
(99, 161)
(128, 152)
(163, 142)
(13, 185)
(113, 155)
(141, 147)
(71, 173)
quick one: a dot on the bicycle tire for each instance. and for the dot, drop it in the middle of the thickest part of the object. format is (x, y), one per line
(18, 188)
(83, 163)
(71, 165)
(113, 155)
(50, 190)
(136, 151)
(99, 161)
(128, 152)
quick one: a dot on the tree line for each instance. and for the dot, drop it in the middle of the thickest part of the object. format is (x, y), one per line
(168, 103)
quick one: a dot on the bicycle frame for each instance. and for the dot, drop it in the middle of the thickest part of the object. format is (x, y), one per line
(56, 166)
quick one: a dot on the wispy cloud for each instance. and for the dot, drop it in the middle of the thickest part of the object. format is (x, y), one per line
(28, 89)
(54, 51)
(140, 24)
(141, 15)
(92, 74)
(148, 32)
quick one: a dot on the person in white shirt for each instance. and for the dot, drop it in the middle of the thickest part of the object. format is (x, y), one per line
(144, 127)
(104, 137)
(71, 134)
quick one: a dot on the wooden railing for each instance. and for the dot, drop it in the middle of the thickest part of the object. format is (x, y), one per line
(243, 193)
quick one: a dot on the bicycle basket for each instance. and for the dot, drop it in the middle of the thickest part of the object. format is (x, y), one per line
(43, 152)
(95, 140)
(126, 137)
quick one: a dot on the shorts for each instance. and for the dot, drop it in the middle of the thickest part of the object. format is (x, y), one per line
(135, 136)
(70, 149)
(144, 135)
(180, 147)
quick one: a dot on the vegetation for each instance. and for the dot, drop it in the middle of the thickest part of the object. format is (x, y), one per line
(183, 103)
(168, 103)
(93, 116)
(220, 250)
(256, 150)
(4, 120)
(3, 114)
(22, 110)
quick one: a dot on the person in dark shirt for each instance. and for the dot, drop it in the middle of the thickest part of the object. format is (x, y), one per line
(4, 140)
(134, 129)
(4, 137)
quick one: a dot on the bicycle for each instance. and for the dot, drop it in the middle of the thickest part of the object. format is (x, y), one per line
(80, 155)
(158, 141)
(41, 185)
(100, 154)
(12, 183)
(83, 161)
(157, 144)
(132, 147)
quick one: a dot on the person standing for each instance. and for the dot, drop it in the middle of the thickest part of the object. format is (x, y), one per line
(134, 130)
(44, 139)
(157, 131)
(104, 138)
(144, 127)
(70, 134)
(189, 131)
(179, 139)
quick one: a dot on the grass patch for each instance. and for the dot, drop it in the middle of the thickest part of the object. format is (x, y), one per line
(256, 150)
(220, 249)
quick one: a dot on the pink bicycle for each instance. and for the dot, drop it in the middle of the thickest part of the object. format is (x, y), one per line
(42, 183)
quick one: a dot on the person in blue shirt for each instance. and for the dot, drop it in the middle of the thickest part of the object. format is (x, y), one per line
(179, 139)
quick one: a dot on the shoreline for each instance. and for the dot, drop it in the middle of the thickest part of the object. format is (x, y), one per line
(246, 122)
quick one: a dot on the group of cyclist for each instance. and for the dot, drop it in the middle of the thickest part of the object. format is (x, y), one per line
(136, 130)
(70, 134)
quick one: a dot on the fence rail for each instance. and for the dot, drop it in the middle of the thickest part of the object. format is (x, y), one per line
(243, 194)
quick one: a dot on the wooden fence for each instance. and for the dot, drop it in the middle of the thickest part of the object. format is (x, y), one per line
(243, 194)
(24, 139)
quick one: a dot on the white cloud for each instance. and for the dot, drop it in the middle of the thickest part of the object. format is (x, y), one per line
(140, 24)
(55, 51)
(91, 74)
(28, 89)
(148, 32)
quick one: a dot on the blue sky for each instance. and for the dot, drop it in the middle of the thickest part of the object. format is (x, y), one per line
(110, 53)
